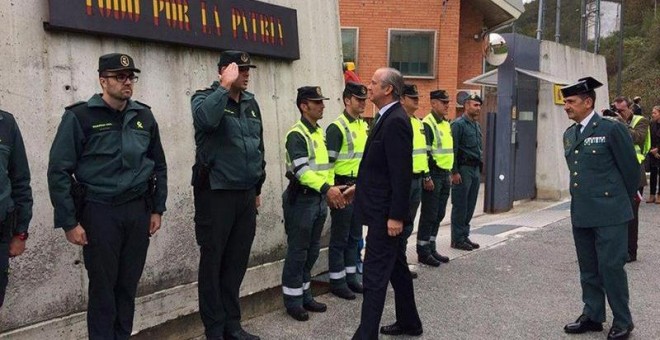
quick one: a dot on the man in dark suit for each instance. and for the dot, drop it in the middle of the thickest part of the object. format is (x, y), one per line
(381, 203)
(604, 174)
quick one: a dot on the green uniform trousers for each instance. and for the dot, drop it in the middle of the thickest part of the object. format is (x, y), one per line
(434, 205)
(463, 200)
(602, 253)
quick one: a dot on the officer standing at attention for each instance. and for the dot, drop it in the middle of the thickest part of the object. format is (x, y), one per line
(465, 174)
(638, 127)
(228, 174)
(346, 138)
(410, 103)
(441, 160)
(15, 196)
(107, 179)
(604, 174)
(304, 202)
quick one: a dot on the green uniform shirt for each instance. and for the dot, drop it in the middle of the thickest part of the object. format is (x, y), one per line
(229, 138)
(467, 141)
(15, 192)
(111, 153)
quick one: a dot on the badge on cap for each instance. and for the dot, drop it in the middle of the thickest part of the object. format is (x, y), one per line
(363, 90)
(124, 61)
(244, 57)
(414, 87)
(318, 91)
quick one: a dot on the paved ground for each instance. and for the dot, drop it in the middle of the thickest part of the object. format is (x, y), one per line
(523, 285)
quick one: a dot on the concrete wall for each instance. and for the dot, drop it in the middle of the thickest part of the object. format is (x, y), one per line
(570, 64)
(42, 72)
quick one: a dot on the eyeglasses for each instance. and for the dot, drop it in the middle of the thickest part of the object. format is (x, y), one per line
(123, 77)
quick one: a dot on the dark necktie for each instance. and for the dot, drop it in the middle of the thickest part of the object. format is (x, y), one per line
(578, 131)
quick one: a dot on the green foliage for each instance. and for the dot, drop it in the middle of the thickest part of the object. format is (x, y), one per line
(641, 57)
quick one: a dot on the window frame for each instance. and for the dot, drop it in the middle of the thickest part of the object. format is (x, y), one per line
(357, 43)
(433, 60)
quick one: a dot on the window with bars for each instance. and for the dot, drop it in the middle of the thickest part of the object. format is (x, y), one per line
(412, 52)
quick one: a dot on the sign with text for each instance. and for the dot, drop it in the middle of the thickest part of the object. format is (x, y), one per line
(247, 25)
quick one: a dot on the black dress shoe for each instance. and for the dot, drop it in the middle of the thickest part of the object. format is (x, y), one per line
(343, 293)
(428, 260)
(395, 329)
(619, 333)
(582, 325)
(474, 245)
(316, 307)
(443, 259)
(241, 334)
(413, 274)
(356, 287)
(298, 312)
(462, 246)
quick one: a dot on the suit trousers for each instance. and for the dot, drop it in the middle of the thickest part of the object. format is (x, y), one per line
(303, 223)
(434, 205)
(118, 238)
(384, 262)
(225, 223)
(633, 227)
(345, 233)
(601, 253)
(464, 199)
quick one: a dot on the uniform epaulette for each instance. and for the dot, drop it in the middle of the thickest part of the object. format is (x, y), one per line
(143, 104)
(75, 104)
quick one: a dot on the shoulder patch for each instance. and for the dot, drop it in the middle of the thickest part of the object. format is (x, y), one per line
(75, 105)
(143, 104)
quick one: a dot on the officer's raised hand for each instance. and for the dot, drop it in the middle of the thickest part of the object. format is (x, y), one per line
(228, 75)
(16, 246)
(154, 224)
(77, 236)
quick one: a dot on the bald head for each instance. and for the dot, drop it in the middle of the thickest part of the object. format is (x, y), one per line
(385, 87)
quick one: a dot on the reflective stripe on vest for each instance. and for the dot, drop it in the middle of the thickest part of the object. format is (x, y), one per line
(355, 138)
(419, 159)
(442, 147)
(317, 159)
(641, 153)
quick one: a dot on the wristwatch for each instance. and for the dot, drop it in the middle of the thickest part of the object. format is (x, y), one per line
(22, 236)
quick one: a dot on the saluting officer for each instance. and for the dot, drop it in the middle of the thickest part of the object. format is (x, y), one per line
(441, 160)
(109, 149)
(346, 138)
(15, 196)
(604, 174)
(228, 174)
(304, 202)
(410, 103)
(465, 174)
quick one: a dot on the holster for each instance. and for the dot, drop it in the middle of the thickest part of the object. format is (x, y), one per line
(78, 193)
(293, 188)
(8, 226)
(345, 180)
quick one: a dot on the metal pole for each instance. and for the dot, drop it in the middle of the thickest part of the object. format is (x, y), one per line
(597, 28)
(557, 21)
(583, 25)
(620, 61)
(539, 21)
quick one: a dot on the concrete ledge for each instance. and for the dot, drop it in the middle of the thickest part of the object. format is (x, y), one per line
(160, 307)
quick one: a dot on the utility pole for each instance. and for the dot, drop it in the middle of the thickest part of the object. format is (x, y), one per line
(558, 20)
(620, 62)
(597, 28)
(539, 21)
(583, 25)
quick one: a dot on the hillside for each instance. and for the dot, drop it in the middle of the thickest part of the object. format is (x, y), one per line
(641, 61)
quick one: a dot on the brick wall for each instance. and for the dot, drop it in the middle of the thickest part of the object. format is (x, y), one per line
(458, 56)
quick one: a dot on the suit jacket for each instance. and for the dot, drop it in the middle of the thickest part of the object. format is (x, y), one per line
(604, 173)
(385, 174)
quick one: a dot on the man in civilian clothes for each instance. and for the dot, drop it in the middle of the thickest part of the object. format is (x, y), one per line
(382, 203)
